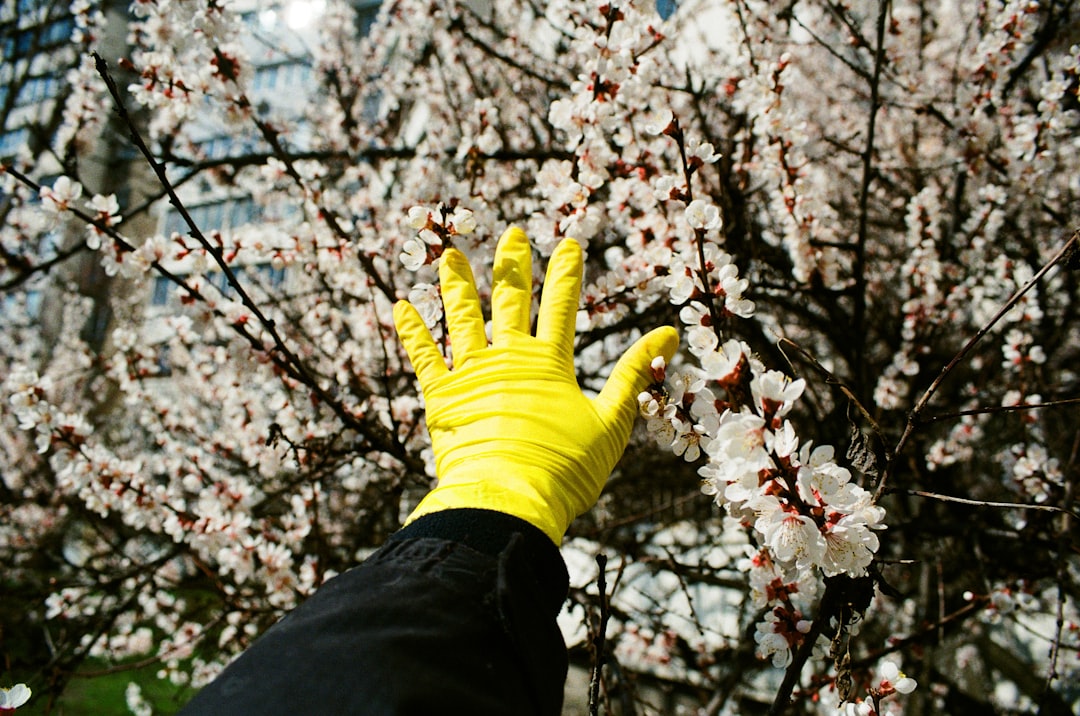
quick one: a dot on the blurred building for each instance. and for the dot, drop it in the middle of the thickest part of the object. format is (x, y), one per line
(35, 45)
(42, 45)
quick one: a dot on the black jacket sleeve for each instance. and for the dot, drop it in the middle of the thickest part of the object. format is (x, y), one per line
(454, 614)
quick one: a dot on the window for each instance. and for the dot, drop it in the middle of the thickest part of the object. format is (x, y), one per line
(58, 32)
(225, 215)
(221, 282)
(272, 277)
(25, 304)
(208, 217)
(38, 89)
(243, 212)
(291, 75)
(223, 146)
(163, 292)
(366, 12)
(162, 289)
(12, 142)
(174, 224)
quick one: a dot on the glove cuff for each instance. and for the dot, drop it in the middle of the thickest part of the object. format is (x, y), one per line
(503, 487)
(492, 533)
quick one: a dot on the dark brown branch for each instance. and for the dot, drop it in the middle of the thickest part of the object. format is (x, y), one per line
(600, 637)
(859, 268)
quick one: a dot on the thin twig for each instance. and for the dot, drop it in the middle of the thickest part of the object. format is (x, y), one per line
(1064, 538)
(600, 636)
(831, 379)
(980, 503)
(998, 409)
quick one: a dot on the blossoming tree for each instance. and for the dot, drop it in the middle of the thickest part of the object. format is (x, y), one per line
(861, 216)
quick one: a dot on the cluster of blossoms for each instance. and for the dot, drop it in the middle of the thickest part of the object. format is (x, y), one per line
(809, 519)
(806, 514)
(890, 680)
(104, 210)
(27, 392)
(191, 54)
(433, 227)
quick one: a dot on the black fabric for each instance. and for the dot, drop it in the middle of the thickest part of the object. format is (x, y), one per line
(454, 614)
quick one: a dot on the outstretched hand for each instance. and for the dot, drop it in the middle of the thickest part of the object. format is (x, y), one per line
(510, 428)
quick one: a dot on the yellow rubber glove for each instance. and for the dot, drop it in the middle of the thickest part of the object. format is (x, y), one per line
(510, 428)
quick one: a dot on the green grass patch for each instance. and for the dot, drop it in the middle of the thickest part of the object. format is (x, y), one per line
(104, 695)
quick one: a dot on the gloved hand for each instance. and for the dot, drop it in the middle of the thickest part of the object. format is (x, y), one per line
(510, 429)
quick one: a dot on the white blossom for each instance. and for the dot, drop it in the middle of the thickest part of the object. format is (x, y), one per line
(702, 215)
(14, 697)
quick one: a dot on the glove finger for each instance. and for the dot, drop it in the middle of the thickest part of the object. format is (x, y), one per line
(559, 300)
(511, 293)
(427, 361)
(617, 402)
(464, 318)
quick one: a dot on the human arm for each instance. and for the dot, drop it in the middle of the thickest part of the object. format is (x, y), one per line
(457, 611)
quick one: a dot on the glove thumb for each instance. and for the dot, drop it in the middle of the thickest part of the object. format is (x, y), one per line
(617, 402)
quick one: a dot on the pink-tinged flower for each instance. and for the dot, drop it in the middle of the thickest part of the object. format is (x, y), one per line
(682, 283)
(687, 442)
(780, 630)
(723, 364)
(772, 645)
(13, 698)
(728, 284)
(660, 124)
(59, 197)
(106, 207)
(824, 478)
(700, 214)
(462, 221)
(658, 366)
(849, 547)
(792, 538)
(695, 313)
(419, 217)
(688, 381)
(857, 708)
(648, 404)
(701, 340)
(774, 393)
(892, 679)
(783, 442)
(564, 115)
(739, 476)
(740, 435)
(425, 298)
(666, 188)
(413, 254)
(702, 152)
(105, 210)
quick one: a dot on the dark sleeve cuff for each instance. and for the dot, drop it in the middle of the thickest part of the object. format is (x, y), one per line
(491, 532)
